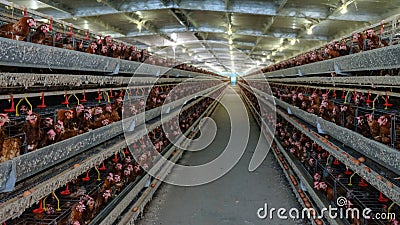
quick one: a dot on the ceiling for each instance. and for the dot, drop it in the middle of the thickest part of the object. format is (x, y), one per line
(221, 35)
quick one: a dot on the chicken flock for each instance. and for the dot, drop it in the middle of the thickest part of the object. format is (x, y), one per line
(41, 132)
(105, 46)
(359, 42)
(86, 201)
(324, 169)
(352, 110)
(374, 125)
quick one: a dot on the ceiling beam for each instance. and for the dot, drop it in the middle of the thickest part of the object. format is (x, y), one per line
(66, 9)
(260, 34)
(227, 2)
(59, 6)
(236, 43)
(202, 39)
(189, 18)
(315, 22)
(267, 26)
(211, 30)
(315, 13)
(179, 16)
(179, 19)
(281, 5)
(107, 26)
(134, 18)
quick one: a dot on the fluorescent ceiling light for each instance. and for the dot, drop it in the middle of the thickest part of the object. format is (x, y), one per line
(344, 10)
(34, 5)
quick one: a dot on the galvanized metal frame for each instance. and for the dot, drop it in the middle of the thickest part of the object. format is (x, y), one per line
(371, 177)
(352, 80)
(377, 59)
(26, 54)
(28, 80)
(118, 85)
(386, 156)
(363, 145)
(15, 207)
(32, 163)
(319, 202)
(365, 91)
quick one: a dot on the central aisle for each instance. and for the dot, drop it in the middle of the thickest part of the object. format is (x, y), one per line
(233, 199)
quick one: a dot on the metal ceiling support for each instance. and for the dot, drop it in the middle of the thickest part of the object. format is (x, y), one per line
(59, 6)
(268, 10)
(317, 21)
(237, 32)
(266, 28)
(203, 42)
(186, 15)
(69, 10)
(227, 2)
(179, 19)
(148, 25)
(177, 2)
(260, 34)
(132, 17)
(237, 43)
(165, 2)
(107, 26)
(198, 36)
(344, 4)
(281, 5)
(178, 16)
(229, 25)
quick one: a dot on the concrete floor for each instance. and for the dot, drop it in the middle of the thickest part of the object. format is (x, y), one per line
(233, 199)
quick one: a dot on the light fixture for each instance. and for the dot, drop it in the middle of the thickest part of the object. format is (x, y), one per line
(310, 31)
(263, 60)
(183, 50)
(281, 49)
(273, 53)
(344, 10)
(174, 36)
(34, 5)
(268, 57)
(293, 41)
(229, 31)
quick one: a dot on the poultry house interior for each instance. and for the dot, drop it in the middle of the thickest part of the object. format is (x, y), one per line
(205, 112)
